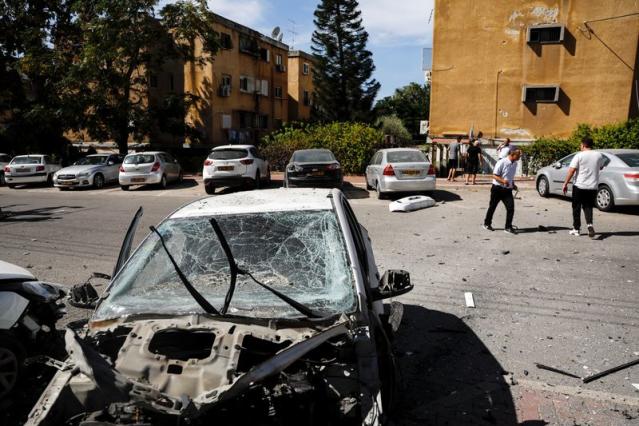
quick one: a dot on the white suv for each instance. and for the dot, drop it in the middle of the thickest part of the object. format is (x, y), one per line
(235, 165)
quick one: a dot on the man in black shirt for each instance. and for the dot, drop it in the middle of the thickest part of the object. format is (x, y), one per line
(475, 161)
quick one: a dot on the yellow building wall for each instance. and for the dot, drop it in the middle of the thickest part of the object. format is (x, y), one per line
(481, 60)
(298, 82)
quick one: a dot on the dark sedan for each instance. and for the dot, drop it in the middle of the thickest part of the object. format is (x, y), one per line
(313, 167)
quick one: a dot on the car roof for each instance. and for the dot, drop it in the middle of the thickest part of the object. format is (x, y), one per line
(399, 149)
(619, 151)
(9, 271)
(314, 150)
(147, 153)
(233, 146)
(268, 200)
(30, 155)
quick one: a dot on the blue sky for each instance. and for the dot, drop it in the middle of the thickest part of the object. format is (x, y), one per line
(398, 31)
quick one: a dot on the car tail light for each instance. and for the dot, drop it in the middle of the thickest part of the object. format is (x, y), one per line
(7, 169)
(247, 161)
(388, 171)
(122, 169)
(39, 168)
(431, 170)
(632, 177)
(334, 166)
(156, 166)
(208, 162)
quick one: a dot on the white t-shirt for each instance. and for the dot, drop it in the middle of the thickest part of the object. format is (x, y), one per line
(588, 165)
(505, 169)
(505, 150)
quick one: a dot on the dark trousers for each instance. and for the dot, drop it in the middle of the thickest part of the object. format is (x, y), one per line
(582, 199)
(505, 195)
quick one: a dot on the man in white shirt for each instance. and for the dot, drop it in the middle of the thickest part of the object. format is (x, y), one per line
(586, 165)
(502, 190)
(504, 149)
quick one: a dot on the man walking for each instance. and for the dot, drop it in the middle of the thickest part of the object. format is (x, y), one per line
(453, 158)
(586, 165)
(502, 190)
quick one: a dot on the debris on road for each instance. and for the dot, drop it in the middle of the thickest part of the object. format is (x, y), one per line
(410, 204)
(470, 301)
(555, 370)
(635, 385)
(610, 371)
(505, 252)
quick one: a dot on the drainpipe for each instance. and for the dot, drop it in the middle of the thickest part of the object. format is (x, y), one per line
(496, 103)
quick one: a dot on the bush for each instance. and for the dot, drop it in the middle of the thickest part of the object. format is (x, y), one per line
(352, 143)
(545, 151)
(392, 125)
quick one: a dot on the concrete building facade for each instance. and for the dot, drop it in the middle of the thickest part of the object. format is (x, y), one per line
(300, 85)
(524, 69)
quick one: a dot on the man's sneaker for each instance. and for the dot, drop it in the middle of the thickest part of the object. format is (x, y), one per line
(574, 232)
(487, 227)
(591, 231)
(510, 231)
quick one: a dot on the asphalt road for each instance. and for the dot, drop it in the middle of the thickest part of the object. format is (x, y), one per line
(542, 296)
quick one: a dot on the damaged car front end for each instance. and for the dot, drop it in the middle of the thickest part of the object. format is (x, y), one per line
(257, 309)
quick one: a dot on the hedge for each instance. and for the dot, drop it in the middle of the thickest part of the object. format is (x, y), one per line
(352, 143)
(545, 151)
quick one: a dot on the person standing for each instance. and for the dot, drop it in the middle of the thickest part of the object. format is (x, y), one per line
(453, 158)
(504, 149)
(502, 191)
(586, 165)
(475, 161)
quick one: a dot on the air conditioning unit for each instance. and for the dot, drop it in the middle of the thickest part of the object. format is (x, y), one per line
(225, 91)
(280, 67)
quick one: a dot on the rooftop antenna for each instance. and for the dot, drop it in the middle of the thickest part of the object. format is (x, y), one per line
(280, 37)
(430, 18)
(293, 32)
(276, 32)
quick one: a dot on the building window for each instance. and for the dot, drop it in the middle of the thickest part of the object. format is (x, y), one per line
(263, 87)
(278, 59)
(306, 68)
(540, 93)
(226, 42)
(278, 92)
(247, 119)
(225, 85)
(307, 98)
(247, 84)
(153, 80)
(265, 54)
(248, 45)
(262, 122)
(545, 34)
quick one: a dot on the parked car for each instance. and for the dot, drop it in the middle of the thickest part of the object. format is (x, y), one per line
(93, 170)
(33, 168)
(618, 181)
(313, 167)
(149, 168)
(254, 308)
(4, 160)
(29, 310)
(400, 170)
(235, 165)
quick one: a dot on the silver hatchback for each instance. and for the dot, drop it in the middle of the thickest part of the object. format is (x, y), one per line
(400, 170)
(618, 181)
(144, 168)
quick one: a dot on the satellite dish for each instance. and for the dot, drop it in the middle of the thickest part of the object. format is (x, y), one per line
(276, 32)
(280, 37)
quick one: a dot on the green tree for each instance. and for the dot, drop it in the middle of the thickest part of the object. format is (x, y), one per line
(410, 103)
(392, 125)
(122, 41)
(344, 89)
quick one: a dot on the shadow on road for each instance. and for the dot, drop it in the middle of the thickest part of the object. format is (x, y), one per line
(604, 235)
(186, 183)
(449, 376)
(35, 215)
(541, 228)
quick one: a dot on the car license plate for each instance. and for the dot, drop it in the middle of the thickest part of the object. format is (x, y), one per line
(65, 183)
(317, 173)
(225, 168)
(138, 180)
(411, 172)
(22, 170)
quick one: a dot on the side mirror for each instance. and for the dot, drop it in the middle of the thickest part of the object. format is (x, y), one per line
(393, 283)
(84, 295)
(557, 165)
(110, 163)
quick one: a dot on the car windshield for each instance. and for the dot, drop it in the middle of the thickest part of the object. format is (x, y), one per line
(27, 160)
(313, 156)
(93, 160)
(228, 154)
(406, 157)
(139, 159)
(632, 159)
(300, 253)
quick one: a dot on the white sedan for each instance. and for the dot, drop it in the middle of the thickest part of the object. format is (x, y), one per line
(27, 169)
(400, 170)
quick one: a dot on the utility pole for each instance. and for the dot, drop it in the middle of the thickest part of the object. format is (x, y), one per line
(293, 31)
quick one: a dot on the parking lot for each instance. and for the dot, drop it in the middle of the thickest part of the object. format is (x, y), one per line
(541, 296)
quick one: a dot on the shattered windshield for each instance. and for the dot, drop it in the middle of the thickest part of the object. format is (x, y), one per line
(299, 253)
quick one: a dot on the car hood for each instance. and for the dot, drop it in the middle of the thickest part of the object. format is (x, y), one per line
(79, 169)
(9, 271)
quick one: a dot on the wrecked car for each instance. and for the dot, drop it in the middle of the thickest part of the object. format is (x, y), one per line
(259, 308)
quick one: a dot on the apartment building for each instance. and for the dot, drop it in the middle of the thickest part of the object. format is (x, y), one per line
(300, 85)
(524, 69)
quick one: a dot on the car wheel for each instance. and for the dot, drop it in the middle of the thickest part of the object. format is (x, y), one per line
(257, 182)
(3, 181)
(11, 354)
(209, 188)
(268, 175)
(380, 194)
(181, 177)
(50, 180)
(542, 187)
(368, 187)
(163, 183)
(605, 199)
(98, 181)
(124, 187)
(11, 186)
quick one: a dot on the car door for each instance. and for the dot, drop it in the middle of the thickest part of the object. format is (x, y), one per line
(170, 168)
(111, 170)
(259, 162)
(370, 169)
(558, 175)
